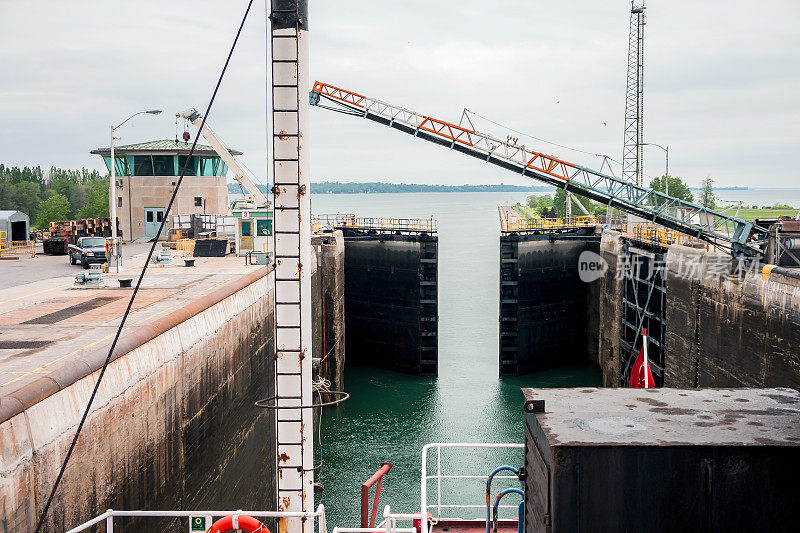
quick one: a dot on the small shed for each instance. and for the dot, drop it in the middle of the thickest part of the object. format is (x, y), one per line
(14, 226)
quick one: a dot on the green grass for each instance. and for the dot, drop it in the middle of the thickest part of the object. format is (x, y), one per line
(752, 214)
(524, 211)
(746, 213)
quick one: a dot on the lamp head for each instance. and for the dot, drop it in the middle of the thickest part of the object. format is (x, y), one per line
(154, 112)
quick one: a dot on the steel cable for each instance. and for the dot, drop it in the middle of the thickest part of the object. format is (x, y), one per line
(539, 138)
(139, 281)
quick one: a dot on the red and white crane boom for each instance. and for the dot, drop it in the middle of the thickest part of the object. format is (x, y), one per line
(741, 238)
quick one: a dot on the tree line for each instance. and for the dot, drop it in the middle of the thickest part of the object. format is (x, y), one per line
(555, 206)
(57, 194)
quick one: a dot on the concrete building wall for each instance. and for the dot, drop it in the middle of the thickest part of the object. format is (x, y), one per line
(173, 425)
(139, 192)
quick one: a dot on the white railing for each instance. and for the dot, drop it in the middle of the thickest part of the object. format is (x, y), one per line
(109, 515)
(439, 476)
(389, 524)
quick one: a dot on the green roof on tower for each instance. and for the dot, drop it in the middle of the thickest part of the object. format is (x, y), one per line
(163, 145)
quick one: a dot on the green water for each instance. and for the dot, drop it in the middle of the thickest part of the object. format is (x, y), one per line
(390, 416)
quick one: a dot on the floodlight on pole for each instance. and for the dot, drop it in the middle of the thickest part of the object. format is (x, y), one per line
(112, 191)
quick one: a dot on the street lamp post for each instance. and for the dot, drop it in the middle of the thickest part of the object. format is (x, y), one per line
(112, 188)
(666, 177)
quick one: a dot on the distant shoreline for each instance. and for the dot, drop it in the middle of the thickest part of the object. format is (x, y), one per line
(332, 187)
(329, 187)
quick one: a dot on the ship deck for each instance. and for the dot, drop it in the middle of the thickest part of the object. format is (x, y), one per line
(473, 526)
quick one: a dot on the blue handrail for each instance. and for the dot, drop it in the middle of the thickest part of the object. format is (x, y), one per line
(499, 497)
(489, 490)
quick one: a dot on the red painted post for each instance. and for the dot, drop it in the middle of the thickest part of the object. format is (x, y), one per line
(366, 519)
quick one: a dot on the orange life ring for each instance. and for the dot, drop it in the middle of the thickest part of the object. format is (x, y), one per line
(237, 521)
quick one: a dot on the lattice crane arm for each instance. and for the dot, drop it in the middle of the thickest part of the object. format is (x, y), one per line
(742, 238)
(241, 177)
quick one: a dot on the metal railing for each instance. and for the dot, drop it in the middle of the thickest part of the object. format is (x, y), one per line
(650, 233)
(388, 525)
(422, 225)
(612, 222)
(440, 475)
(184, 246)
(377, 477)
(328, 219)
(110, 514)
(12, 248)
(511, 224)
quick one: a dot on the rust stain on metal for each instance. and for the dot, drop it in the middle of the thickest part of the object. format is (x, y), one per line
(653, 402)
(673, 410)
(782, 398)
(282, 135)
(284, 457)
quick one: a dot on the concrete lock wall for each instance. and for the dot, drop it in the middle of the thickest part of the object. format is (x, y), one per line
(731, 331)
(610, 305)
(173, 424)
(327, 289)
(391, 301)
(720, 330)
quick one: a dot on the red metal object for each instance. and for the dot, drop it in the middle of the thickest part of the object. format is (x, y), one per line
(447, 130)
(538, 161)
(377, 477)
(348, 97)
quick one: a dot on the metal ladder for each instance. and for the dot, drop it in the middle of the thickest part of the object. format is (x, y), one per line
(293, 353)
(429, 313)
(509, 294)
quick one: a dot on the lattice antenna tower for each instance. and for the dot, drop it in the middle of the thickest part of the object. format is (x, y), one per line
(634, 98)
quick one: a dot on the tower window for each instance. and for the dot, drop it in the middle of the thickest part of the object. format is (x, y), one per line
(119, 201)
(198, 201)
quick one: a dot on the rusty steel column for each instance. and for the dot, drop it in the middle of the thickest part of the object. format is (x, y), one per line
(293, 335)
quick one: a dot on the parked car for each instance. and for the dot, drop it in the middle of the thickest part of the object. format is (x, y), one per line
(88, 250)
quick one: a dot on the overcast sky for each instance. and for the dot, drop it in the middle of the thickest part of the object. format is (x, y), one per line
(722, 81)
